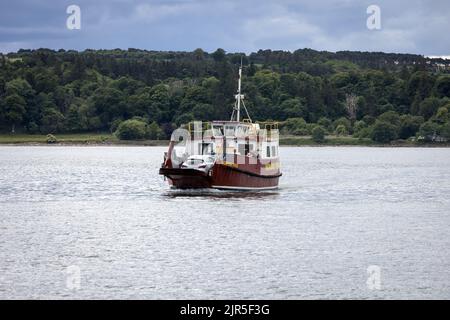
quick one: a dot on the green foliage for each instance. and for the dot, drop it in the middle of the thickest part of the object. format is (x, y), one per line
(363, 133)
(443, 86)
(383, 132)
(218, 55)
(442, 115)
(318, 134)
(428, 107)
(14, 108)
(361, 130)
(428, 130)
(445, 130)
(341, 130)
(293, 108)
(391, 117)
(369, 120)
(154, 132)
(359, 125)
(325, 123)
(51, 139)
(343, 122)
(52, 121)
(409, 126)
(131, 130)
(295, 126)
(67, 91)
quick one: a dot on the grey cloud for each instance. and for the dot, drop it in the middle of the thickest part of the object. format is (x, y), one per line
(413, 26)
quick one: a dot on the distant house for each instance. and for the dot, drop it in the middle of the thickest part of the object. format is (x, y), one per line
(432, 138)
(437, 138)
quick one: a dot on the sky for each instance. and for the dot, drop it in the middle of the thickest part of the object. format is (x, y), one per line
(407, 26)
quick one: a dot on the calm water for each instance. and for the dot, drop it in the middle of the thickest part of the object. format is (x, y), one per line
(104, 211)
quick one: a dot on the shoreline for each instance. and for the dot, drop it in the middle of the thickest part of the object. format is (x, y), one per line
(106, 139)
(160, 144)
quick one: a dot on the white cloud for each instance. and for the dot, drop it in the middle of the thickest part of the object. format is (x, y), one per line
(439, 57)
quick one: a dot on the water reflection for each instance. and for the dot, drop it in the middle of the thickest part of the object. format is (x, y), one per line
(221, 194)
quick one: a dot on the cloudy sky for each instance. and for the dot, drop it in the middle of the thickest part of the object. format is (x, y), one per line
(407, 26)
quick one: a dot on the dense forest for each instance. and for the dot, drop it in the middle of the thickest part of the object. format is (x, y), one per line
(369, 95)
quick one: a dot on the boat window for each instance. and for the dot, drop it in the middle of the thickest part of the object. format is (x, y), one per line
(273, 151)
(229, 130)
(207, 148)
(268, 151)
(218, 131)
(241, 131)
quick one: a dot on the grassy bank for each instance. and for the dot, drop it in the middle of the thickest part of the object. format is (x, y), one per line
(75, 139)
(329, 141)
(351, 141)
(109, 139)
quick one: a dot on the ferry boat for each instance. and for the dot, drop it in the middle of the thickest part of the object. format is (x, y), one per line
(232, 155)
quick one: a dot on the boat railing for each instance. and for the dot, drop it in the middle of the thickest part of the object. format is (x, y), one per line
(268, 125)
(193, 128)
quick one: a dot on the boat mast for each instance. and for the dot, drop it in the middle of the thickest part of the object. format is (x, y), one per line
(239, 100)
(238, 96)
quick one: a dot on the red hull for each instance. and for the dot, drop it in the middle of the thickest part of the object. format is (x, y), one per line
(186, 178)
(222, 176)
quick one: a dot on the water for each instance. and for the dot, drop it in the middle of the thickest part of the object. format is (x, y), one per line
(104, 211)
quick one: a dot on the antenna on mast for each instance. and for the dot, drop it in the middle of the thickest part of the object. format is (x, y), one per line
(239, 99)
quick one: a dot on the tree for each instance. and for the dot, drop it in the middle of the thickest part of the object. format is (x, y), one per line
(428, 107)
(344, 122)
(341, 130)
(351, 105)
(154, 132)
(369, 120)
(420, 85)
(52, 121)
(429, 130)
(383, 132)
(45, 82)
(109, 103)
(391, 117)
(359, 125)
(15, 110)
(219, 55)
(131, 130)
(296, 126)
(443, 86)
(409, 125)
(73, 119)
(325, 123)
(442, 115)
(318, 134)
(292, 108)
(445, 130)
(199, 54)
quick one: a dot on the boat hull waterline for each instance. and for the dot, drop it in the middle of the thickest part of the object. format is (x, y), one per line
(221, 176)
